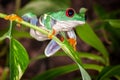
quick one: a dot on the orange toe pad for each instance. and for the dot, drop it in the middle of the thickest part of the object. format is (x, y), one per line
(13, 17)
(73, 42)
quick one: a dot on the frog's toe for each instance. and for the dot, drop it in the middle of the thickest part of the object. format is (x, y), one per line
(73, 42)
(13, 17)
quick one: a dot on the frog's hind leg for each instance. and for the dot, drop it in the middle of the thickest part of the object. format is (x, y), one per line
(52, 48)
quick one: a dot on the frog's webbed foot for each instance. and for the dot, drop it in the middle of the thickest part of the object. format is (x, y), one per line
(13, 17)
(53, 32)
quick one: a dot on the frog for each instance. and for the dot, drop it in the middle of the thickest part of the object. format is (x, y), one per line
(56, 23)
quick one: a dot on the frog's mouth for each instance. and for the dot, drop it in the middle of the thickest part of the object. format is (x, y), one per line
(66, 25)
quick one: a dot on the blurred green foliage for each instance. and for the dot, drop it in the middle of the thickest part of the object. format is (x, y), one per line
(108, 23)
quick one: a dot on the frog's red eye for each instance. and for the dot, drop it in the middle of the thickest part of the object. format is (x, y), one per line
(70, 12)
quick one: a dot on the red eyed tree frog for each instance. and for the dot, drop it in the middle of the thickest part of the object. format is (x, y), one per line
(60, 21)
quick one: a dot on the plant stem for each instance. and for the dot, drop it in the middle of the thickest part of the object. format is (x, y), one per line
(3, 37)
(33, 27)
(10, 30)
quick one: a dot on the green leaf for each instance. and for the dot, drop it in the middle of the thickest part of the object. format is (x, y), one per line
(18, 60)
(51, 74)
(109, 72)
(75, 56)
(55, 72)
(114, 36)
(114, 22)
(42, 6)
(87, 35)
(21, 34)
(90, 56)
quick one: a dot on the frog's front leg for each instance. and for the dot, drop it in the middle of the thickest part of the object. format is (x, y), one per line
(53, 32)
(49, 23)
(72, 38)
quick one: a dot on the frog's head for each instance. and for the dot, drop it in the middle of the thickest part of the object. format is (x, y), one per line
(71, 15)
(69, 18)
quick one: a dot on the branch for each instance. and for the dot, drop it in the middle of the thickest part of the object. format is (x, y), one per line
(33, 27)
